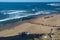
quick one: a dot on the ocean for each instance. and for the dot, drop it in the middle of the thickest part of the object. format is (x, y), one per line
(11, 12)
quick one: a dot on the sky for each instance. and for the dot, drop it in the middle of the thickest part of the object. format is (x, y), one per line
(29, 0)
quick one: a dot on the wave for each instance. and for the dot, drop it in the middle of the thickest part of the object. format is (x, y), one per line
(24, 15)
(54, 4)
(12, 11)
(17, 17)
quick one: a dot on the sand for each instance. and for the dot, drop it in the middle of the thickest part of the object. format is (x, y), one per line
(34, 26)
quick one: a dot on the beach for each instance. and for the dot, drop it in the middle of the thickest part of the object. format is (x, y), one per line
(37, 25)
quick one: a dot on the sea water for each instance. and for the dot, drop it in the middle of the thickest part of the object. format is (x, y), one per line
(11, 12)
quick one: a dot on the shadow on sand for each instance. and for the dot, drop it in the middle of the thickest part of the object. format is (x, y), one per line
(22, 37)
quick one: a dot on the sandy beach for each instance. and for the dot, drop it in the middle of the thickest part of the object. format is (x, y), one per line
(34, 26)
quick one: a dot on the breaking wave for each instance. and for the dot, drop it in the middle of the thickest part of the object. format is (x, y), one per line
(16, 14)
(54, 4)
(12, 11)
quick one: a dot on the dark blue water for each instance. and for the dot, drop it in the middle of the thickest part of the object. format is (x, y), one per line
(11, 12)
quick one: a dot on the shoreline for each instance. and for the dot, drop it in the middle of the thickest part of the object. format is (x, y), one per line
(30, 26)
(8, 26)
(19, 22)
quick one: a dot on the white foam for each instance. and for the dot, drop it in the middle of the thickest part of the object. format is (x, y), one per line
(33, 9)
(9, 18)
(54, 4)
(12, 11)
(17, 17)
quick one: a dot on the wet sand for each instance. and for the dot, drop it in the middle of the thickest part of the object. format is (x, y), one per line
(34, 26)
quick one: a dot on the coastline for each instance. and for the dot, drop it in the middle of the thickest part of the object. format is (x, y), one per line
(33, 26)
(8, 26)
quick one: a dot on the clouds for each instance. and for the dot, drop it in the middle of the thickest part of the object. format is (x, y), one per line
(29, 0)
